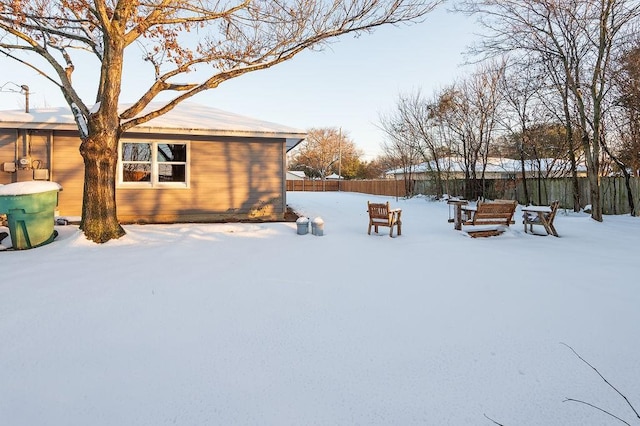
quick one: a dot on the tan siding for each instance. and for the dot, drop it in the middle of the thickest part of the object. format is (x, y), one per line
(7, 153)
(68, 171)
(39, 149)
(33, 144)
(230, 180)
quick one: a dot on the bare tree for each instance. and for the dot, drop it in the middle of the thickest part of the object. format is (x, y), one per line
(520, 89)
(401, 147)
(629, 128)
(563, 110)
(625, 118)
(577, 37)
(470, 109)
(414, 123)
(235, 37)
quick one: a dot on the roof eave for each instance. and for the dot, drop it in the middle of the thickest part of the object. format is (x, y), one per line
(37, 126)
(295, 137)
(215, 132)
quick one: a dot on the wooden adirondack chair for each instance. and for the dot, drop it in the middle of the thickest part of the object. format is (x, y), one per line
(381, 214)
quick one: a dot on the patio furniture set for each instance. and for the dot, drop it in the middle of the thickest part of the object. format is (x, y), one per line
(489, 218)
(484, 219)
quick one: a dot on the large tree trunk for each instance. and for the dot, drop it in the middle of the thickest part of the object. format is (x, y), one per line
(593, 175)
(524, 176)
(99, 149)
(99, 217)
(594, 192)
(572, 154)
(626, 174)
(574, 180)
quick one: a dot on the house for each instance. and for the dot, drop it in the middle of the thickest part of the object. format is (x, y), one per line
(495, 168)
(193, 164)
(334, 176)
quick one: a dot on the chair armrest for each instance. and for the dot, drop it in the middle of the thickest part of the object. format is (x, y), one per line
(395, 212)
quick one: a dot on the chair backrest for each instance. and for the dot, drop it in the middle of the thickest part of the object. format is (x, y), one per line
(379, 210)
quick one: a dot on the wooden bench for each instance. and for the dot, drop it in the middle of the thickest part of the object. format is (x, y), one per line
(381, 214)
(498, 212)
(541, 215)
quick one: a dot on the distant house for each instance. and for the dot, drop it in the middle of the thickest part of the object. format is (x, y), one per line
(334, 176)
(296, 175)
(192, 164)
(496, 168)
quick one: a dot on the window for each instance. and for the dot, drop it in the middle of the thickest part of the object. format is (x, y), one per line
(153, 164)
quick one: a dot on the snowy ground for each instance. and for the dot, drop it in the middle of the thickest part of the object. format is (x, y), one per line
(252, 324)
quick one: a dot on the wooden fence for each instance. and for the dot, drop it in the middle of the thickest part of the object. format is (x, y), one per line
(375, 187)
(613, 191)
(312, 185)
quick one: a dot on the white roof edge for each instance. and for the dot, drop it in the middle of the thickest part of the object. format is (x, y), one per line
(36, 125)
(215, 132)
(293, 138)
(185, 118)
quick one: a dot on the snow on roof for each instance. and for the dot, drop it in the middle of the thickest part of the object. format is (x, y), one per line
(185, 118)
(333, 176)
(494, 165)
(29, 187)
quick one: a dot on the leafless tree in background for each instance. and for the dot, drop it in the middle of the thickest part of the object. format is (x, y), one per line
(520, 89)
(401, 147)
(414, 122)
(624, 117)
(470, 109)
(575, 37)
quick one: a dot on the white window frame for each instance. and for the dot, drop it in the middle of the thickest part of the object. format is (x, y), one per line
(155, 183)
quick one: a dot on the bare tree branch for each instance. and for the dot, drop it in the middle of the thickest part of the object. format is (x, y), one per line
(493, 421)
(597, 408)
(604, 379)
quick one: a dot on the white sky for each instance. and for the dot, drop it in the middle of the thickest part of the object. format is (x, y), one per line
(346, 86)
(252, 324)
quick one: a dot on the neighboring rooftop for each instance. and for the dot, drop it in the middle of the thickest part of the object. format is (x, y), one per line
(494, 164)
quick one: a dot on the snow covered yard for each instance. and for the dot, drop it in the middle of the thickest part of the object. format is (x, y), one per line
(252, 324)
